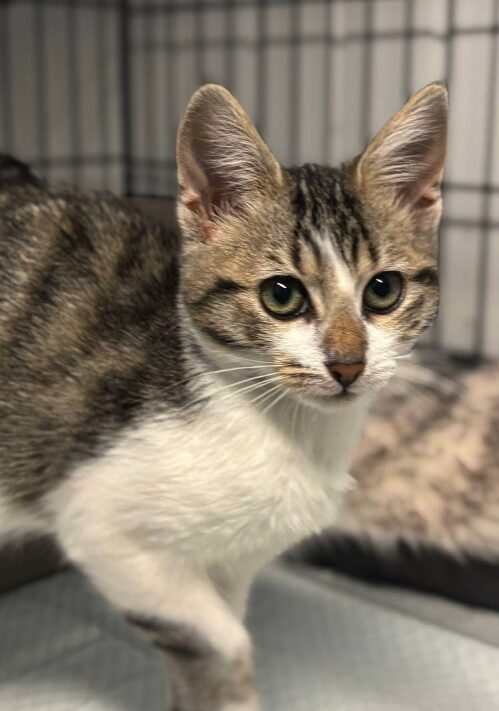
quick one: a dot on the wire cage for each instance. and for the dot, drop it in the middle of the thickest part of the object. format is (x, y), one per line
(91, 92)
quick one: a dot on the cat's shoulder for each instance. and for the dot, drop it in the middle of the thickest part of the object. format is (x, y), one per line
(40, 225)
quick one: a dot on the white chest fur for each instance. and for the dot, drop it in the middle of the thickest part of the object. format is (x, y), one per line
(230, 483)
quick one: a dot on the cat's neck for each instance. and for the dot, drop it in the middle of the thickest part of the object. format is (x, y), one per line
(328, 438)
(248, 385)
(324, 435)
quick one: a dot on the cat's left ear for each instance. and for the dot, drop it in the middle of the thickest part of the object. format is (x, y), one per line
(223, 163)
(406, 158)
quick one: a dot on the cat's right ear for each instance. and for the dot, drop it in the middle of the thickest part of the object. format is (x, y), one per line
(223, 163)
(406, 158)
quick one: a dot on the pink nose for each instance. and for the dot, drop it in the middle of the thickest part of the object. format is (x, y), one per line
(345, 373)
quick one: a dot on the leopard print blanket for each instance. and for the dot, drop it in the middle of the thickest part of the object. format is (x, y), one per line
(428, 467)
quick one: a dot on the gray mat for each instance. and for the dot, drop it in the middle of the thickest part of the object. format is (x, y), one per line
(317, 649)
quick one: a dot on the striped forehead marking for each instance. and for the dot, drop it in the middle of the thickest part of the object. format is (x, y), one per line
(324, 209)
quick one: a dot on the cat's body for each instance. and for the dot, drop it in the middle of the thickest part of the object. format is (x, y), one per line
(174, 413)
(87, 294)
(89, 381)
(229, 506)
(110, 430)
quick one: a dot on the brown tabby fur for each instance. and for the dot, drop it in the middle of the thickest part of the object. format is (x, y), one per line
(110, 329)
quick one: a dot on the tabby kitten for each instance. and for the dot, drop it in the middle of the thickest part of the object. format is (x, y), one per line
(177, 412)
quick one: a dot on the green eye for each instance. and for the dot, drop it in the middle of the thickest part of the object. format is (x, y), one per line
(283, 297)
(383, 292)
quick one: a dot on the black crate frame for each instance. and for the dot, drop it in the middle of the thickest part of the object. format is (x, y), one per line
(128, 10)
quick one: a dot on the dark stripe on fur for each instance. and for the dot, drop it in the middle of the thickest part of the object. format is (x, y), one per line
(307, 214)
(175, 637)
(296, 254)
(413, 313)
(223, 338)
(329, 209)
(428, 275)
(90, 337)
(222, 287)
(274, 258)
(351, 204)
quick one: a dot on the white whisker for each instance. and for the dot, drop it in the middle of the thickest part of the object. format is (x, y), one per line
(293, 422)
(265, 395)
(190, 378)
(274, 402)
(249, 388)
(426, 376)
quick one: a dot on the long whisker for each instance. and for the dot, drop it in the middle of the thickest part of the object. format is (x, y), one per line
(264, 396)
(407, 388)
(254, 386)
(245, 380)
(249, 360)
(213, 372)
(229, 370)
(428, 377)
(274, 402)
(293, 422)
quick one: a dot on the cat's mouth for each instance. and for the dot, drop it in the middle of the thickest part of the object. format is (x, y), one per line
(314, 388)
(326, 400)
(346, 395)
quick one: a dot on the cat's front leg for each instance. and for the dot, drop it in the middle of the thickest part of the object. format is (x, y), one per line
(203, 679)
(207, 648)
(202, 676)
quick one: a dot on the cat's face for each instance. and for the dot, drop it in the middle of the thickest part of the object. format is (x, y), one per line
(324, 276)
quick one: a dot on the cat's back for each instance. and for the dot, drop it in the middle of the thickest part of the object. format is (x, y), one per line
(88, 326)
(53, 241)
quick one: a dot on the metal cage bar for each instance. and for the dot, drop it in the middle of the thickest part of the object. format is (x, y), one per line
(182, 38)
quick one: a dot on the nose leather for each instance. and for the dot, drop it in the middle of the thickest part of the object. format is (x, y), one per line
(345, 373)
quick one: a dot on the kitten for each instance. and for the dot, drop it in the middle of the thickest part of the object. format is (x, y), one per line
(178, 412)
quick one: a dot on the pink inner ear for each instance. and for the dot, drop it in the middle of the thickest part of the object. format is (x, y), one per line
(428, 197)
(430, 192)
(198, 206)
(424, 202)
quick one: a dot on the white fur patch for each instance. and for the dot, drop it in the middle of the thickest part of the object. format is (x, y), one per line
(176, 518)
(381, 359)
(232, 484)
(345, 283)
(301, 343)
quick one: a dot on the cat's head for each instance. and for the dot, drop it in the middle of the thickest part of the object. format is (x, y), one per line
(325, 275)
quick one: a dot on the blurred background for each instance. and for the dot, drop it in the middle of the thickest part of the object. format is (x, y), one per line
(92, 91)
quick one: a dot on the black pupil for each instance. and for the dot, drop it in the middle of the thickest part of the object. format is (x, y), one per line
(381, 287)
(281, 293)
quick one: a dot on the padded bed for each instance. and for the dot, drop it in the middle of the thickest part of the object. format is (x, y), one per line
(322, 643)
